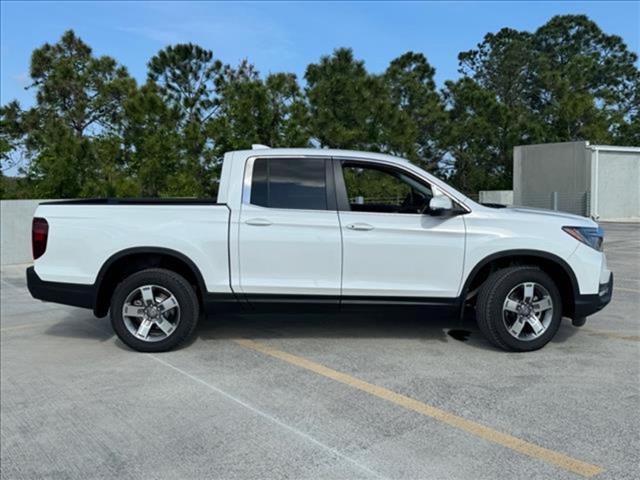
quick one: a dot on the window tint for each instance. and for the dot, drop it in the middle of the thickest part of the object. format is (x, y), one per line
(297, 183)
(373, 188)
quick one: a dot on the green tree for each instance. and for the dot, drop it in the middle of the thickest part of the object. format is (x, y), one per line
(413, 113)
(288, 112)
(73, 86)
(503, 63)
(11, 132)
(342, 102)
(398, 112)
(491, 114)
(473, 137)
(587, 82)
(11, 137)
(78, 98)
(186, 76)
(153, 146)
(629, 133)
(253, 110)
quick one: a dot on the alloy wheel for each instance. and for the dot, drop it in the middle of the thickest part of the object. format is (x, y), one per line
(151, 313)
(527, 311)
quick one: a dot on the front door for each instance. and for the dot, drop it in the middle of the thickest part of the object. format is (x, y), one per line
(392, 246)
(289, 232)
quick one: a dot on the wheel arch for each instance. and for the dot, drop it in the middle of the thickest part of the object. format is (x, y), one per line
(557, 268)
(126, 262)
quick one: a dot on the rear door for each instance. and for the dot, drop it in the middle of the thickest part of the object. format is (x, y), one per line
(393, 248)
(289, 232)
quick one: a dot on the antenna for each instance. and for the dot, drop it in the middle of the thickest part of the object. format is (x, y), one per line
(257, 146)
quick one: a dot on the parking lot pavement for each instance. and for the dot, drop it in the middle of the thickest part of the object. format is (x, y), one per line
(317, 396)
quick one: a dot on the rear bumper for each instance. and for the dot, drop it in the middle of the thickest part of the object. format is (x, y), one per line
(586, 305)
(72, 294)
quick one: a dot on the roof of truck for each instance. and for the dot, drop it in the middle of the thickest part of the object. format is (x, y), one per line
(266, 151)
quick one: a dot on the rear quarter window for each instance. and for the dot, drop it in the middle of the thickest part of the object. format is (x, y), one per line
(293, 183)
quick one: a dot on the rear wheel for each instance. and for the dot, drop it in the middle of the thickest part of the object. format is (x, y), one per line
(154, 310)
(519, 308)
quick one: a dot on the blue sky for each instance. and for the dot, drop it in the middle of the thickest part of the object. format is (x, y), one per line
(281, 36)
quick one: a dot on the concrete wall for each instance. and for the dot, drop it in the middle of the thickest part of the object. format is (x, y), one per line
(618, 183)
(15, 230)
(502, 197)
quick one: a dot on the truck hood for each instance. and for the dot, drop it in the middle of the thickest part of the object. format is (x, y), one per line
(539, 214)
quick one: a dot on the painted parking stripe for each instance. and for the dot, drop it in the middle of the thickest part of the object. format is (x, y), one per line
(269, 417)
(607, 334)
(530, 449)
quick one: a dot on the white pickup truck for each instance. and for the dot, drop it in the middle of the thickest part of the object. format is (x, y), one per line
(316, 229)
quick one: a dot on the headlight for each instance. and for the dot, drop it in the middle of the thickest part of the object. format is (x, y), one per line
(587, 235)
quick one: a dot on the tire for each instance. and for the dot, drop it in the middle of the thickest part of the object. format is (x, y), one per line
(157, 322)
(510, 307)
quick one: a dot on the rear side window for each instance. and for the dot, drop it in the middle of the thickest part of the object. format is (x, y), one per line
(295, 183)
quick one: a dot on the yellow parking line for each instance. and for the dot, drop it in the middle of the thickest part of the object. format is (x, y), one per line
(606, 334)
(532, 450)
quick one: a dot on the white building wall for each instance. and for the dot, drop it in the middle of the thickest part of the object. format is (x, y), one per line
(618, 183)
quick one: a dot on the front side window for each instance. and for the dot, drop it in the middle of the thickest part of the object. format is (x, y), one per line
(293, 183)
(376, 188)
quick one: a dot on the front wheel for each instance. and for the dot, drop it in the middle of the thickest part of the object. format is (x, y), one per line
(519, 308)
(154, 310)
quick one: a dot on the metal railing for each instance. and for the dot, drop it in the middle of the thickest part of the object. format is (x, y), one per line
(570, 202)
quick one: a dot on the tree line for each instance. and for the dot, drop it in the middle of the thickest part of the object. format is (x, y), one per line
(93, 131)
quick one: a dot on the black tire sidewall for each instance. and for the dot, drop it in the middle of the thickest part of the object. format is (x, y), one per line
(499, 292)
(178, 286)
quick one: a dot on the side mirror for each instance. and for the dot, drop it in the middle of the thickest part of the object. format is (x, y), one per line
(440, 205)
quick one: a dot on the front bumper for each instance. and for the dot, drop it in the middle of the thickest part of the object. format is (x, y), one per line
(73, 294)
(586, 305)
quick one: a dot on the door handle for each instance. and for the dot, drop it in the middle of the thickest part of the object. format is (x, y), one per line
(258, 222)
(360, 226)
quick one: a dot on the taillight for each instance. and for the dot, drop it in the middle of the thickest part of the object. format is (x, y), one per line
(39, 234)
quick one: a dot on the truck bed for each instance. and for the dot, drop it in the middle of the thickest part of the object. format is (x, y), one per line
(86, 234)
